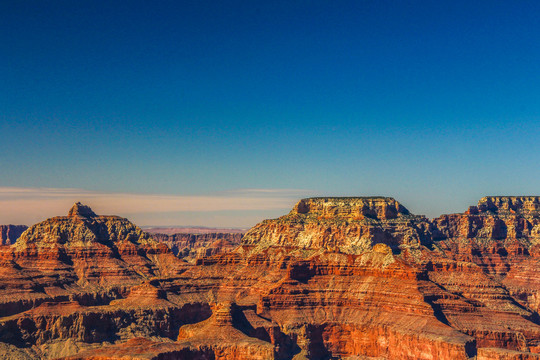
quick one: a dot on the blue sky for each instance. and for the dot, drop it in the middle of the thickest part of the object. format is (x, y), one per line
(434, 103)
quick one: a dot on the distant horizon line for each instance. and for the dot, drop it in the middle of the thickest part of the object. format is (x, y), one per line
(192, 227)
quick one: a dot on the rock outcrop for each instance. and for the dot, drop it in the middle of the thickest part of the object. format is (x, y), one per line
(349, 225)
(10, 233)
(80, 256)
(336, 278)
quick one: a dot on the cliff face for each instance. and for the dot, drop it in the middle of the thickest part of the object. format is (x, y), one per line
(354, 208)
(339, 278)
(505, 218)
(349, 225)
(501, 237)
(81, 256)
(89, 248)
(495, 234)
(82, 228)
(526, 205)
(10, 233)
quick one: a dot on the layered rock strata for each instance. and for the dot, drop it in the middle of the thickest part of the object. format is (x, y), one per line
(336, 278)
(191, 246)
(349, 225)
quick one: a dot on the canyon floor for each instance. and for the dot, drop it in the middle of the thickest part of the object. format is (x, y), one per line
(335, 278)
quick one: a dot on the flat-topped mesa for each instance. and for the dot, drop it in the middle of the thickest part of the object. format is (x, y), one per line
(382, 208)
(82, 228)
(506, 205)
(346, 224)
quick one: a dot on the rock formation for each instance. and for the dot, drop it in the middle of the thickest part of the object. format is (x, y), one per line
(191, 246)
(10, 233)
(349, 225)
(336, 278)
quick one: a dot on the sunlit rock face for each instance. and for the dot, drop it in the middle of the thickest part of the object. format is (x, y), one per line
(336, 278)
(354, 208)
(70, 256)
(350, 225)
(498, 224)
(81, 210)
(83, 228)
(505, 205)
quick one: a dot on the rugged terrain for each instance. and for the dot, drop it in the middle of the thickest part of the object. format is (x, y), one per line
(190, 246)
(10, 233)
(336, 278)
(191, 230)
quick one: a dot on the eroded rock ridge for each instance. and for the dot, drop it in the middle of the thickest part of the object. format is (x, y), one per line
(336, 278)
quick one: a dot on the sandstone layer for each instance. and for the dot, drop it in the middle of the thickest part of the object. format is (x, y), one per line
(349, 225)
(336, 278)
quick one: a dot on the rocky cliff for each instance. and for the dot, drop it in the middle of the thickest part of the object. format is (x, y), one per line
(336, 278)
(10, 233)
(349, 225)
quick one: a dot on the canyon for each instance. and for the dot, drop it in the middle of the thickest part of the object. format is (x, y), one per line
(335, 278)
(190, 246)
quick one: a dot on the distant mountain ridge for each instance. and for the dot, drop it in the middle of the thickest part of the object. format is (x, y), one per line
(169, 230)
(192, 245)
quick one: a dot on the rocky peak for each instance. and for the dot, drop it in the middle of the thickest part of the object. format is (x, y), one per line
(81, 210)
(82, 228)
(351, 207)
(508, 205)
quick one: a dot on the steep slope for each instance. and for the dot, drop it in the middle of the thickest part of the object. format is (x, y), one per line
(493, 260)
(87, 248)
(59, 270)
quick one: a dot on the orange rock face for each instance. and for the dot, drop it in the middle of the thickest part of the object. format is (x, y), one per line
(336, 278)
(349, 225)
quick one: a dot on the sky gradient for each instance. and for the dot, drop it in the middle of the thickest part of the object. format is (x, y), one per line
(434, 103)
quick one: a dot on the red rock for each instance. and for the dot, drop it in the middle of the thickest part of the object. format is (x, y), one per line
(336, 278)
(350, 225)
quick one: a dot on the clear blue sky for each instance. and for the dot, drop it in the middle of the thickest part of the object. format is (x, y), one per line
(436, 103)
